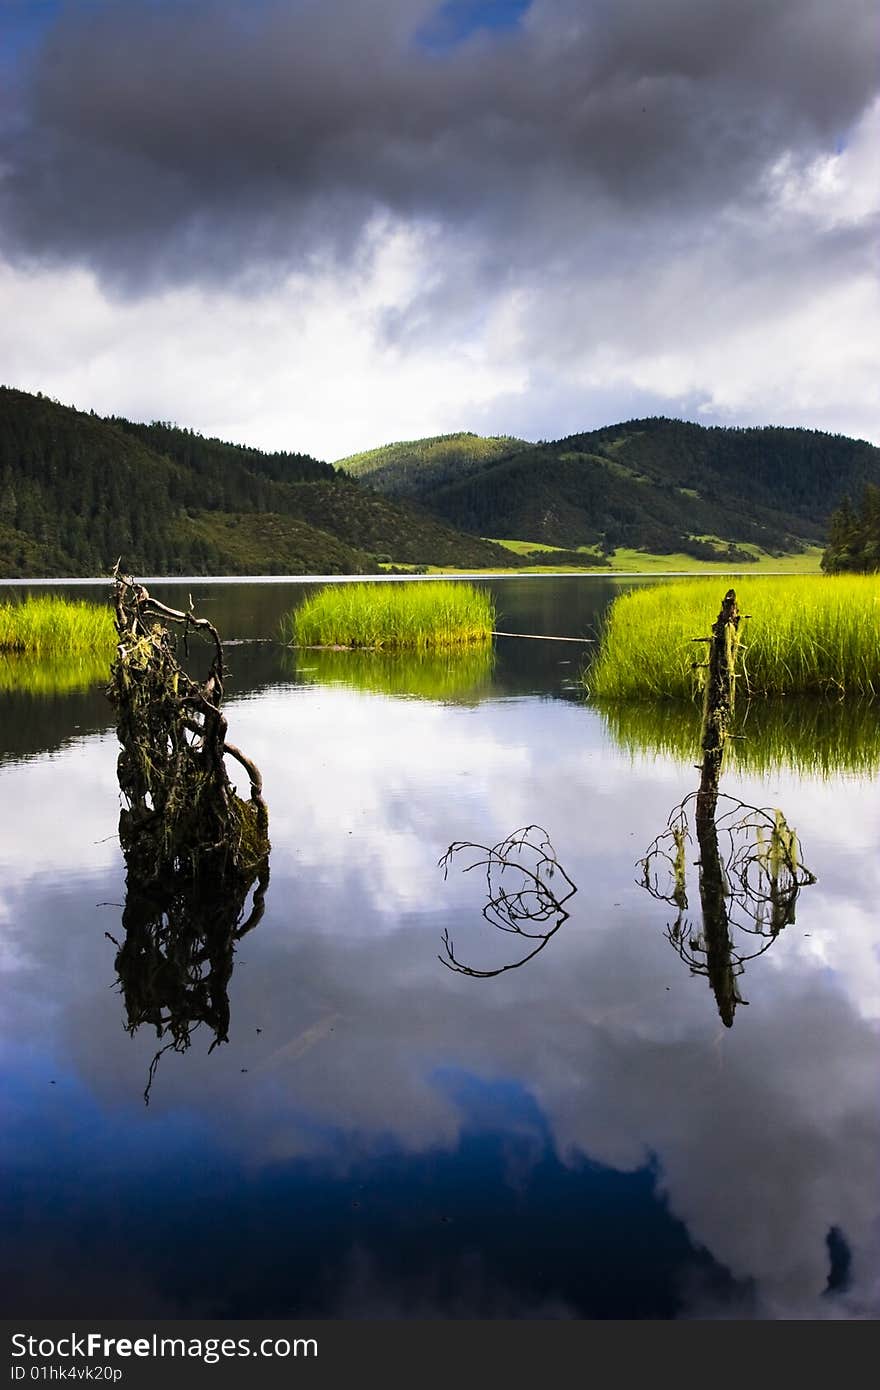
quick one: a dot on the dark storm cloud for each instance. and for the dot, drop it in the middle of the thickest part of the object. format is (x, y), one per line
(196, 141)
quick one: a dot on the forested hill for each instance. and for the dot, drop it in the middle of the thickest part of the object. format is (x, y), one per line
(854, 535)
(78, 491)
(649, 484)
(219, 463)
(415, 466)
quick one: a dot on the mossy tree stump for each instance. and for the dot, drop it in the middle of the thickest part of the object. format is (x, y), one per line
(718, 700)
(193, 848)
(179, 801)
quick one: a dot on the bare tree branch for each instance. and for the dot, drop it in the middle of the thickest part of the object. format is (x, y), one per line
(529, 860)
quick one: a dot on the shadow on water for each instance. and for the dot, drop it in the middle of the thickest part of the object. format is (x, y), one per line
(520, 893)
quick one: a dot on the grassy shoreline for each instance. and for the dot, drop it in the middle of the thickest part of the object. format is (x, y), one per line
(632, 564)
(628, 564)
(805, 635)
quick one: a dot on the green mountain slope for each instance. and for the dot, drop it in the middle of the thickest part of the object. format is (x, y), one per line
(414, 466)
(664, 485)
(76, 492)
(405, 533)
(217, 463)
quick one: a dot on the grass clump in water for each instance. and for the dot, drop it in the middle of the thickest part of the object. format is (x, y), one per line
(56, 627)
(805, 635)
(393, 615)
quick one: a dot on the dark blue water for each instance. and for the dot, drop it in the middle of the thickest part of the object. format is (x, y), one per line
(381, 1136)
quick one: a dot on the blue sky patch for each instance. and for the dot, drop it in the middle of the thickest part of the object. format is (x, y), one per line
(457, 20)
(23, 24)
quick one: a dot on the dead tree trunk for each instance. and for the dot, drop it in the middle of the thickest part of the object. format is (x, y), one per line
(714, 893)
(194, 850)
(179, 801)
(718, 696)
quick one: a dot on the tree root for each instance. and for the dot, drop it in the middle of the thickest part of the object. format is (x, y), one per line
(193, 848)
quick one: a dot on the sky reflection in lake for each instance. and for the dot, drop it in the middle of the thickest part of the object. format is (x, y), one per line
(382, 1137)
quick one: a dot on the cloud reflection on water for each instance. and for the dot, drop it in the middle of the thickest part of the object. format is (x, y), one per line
(764, 1139)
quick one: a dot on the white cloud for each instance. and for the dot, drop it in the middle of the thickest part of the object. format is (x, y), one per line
(769, 315)
(636, 210)
(301, 366)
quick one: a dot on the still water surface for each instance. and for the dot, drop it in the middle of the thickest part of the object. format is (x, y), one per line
(384, 1137)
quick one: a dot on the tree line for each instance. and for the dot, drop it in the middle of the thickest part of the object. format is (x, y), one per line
(854, 535)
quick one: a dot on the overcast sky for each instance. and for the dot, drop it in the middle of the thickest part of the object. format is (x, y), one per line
(327, 224)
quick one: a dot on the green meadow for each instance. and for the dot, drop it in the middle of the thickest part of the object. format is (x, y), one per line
(815, 635)
(642, 562)
(393, 615)
(628, 562)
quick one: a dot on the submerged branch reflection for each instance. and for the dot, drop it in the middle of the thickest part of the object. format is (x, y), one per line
(519, 870)
(750, 876)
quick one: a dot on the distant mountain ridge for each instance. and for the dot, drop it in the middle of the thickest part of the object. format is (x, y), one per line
(78, 491)
(661, 485)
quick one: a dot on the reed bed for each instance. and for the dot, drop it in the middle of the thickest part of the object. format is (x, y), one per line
(56, 627)
(810, 735)
(393, 615)
(816, 635)
(446, 676)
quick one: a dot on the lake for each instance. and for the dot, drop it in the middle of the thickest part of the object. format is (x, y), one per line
(579, 1134)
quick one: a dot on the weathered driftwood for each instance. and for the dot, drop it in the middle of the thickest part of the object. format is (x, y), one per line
(718, 699)
(179, 801)
(193, 848)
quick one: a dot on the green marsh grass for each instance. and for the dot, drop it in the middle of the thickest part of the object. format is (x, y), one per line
(443, 675)
(808, 735)
(815, 635)
(56, 627)
(416, 615)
